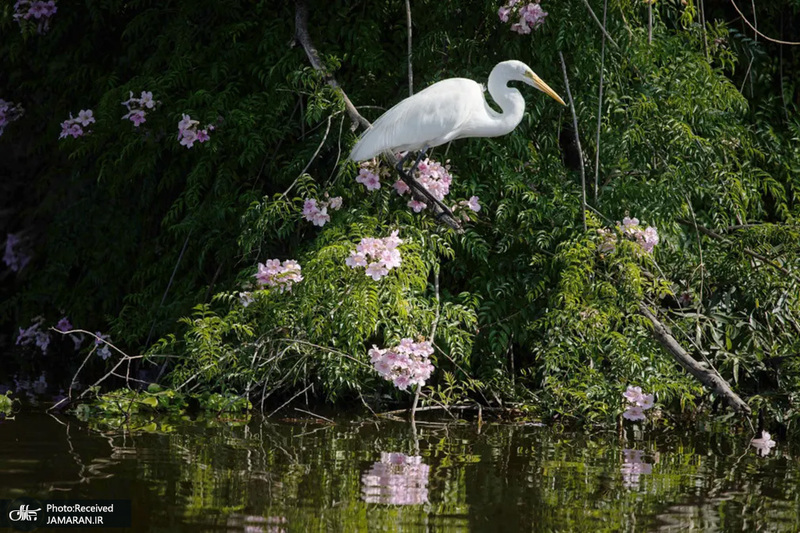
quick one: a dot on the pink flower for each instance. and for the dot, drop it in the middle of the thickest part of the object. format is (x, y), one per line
(186, 123)
(645, 401)
(417, 206)
(356, 259)
(64, 324)
(202, 136)
(85, 117)
(521, 27)
(503, 13)
(335, 203)
(401, 187)
(632, 394)
(147, 100)
(533, 14)
(633, 413)
(370, 180)
(764, 444)
(273, 273)
(379, 256)
(187, 138)
(473, 204)
(137, 117)
(376, 271)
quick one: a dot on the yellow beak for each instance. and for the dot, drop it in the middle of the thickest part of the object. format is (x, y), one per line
(542, 86)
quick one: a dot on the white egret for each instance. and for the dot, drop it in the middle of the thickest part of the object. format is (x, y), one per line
(451, 109)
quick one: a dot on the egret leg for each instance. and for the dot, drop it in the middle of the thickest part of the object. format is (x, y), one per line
(408, 177)
(399, 165)
(419, 158)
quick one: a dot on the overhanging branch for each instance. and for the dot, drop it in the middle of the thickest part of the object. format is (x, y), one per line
(416, 189)
(710, 379)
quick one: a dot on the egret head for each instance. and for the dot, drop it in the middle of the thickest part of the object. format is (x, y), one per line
(531, 78)
(524, 73)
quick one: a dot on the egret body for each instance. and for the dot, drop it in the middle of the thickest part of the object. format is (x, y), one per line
(451, 109)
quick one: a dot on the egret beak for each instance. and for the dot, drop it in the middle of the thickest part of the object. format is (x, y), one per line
(542, 86)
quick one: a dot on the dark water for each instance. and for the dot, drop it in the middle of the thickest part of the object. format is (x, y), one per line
(305, 476)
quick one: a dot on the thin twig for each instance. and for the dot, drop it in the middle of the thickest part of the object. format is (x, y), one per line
(287, 402)
(164, 296)
(703, 27)
(410, 70)
(314, 415)
(577, 140)
(313, 157)
(600, 104)
(650, 23)
(748, 251)
(602, 26)
(767, 37)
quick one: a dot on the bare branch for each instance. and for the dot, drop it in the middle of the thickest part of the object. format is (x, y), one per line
(410, 70)
(602, 26)
(708, 378)
(577, 140)
(767, 37)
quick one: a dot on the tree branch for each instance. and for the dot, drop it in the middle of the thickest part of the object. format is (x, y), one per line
(711, 380)
(602, 26)
(410, 70)
(302, 37)
(778, 41)
(577, 140)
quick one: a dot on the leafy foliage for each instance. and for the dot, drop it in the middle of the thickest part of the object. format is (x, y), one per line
(134, 230)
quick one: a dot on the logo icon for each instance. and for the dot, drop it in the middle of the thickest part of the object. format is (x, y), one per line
(24, 513)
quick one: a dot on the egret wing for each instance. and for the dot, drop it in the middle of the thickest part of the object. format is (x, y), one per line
(431, 117)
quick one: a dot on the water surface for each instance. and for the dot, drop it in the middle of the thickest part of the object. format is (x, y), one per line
(361, 476)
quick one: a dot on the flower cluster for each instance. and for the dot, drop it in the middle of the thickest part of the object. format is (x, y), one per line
(647, 238)
(405, 364)
(397, 479)
(634, 467)
(14, 257)
(317, 213)
(188, 133)
(34, 334)
(101, 345)
(74, 126)
(136, 107)
(9, 112)
(379, 256)
(35, 9)
(370, 173)
(528, 16)
(638, 403)
(273, 273)
(763, 444)
(432, 175)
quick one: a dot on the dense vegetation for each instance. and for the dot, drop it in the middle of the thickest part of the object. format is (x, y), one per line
(129, 230)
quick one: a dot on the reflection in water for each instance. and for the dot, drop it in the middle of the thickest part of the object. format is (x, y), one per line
(397, 479)
(634, 466)
(302, 476)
